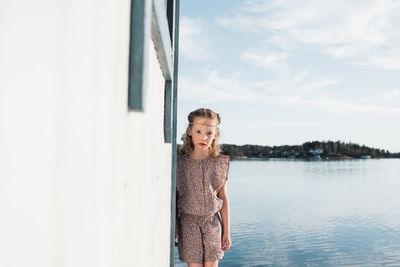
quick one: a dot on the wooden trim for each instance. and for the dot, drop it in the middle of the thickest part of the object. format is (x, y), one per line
(167, 111)
(170, 18)
(161, 38)
(174, 134)
(139, 37)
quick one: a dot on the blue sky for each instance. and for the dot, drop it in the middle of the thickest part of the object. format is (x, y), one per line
(287, 72)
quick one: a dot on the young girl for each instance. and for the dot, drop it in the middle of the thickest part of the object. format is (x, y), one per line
(201, 193)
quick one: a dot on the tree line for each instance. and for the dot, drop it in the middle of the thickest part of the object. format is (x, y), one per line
(322, 149)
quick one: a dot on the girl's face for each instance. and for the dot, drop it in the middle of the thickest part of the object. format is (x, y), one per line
(203, 132)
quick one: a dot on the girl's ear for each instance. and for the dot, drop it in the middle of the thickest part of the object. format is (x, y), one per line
(217, 135)
(188, 131)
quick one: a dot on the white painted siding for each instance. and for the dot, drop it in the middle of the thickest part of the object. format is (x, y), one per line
(83, 181)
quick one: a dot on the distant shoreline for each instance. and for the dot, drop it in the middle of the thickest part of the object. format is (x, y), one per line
(302, 159)
(314, 150)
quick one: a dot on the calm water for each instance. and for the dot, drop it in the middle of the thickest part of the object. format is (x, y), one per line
(299, 213)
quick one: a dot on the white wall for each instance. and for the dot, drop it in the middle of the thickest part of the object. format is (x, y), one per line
(83, 181)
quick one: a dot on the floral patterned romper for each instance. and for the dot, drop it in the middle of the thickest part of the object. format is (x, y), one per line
(198, 182)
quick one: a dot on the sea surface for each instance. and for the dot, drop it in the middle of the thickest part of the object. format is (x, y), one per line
(314, 213)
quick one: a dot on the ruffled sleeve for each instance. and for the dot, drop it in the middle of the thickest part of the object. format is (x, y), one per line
(221, 172)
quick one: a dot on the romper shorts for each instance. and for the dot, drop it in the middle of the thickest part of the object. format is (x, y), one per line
(199, 238)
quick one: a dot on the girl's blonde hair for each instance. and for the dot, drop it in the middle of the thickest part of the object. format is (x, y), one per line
(188, 145)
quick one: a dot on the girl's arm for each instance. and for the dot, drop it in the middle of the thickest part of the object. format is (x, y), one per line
(176, 221)
(226, 238)
(176, 229)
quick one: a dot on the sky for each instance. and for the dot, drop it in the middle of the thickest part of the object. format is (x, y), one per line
(288, 71)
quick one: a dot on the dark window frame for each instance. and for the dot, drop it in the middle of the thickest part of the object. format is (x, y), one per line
(139, 38)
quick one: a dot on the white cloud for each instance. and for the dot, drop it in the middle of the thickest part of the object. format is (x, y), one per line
(391, 95)
(271, 60)
(340, 106)
(210, 86)
(193, 43)
(388, 98)
(389, 59)
(363, 31)
(342, 51)
(301, 91)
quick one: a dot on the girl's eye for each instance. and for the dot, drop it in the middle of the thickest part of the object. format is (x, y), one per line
(209, 133)
(197, 131)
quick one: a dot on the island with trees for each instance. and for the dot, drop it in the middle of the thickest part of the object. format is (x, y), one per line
(315, 150)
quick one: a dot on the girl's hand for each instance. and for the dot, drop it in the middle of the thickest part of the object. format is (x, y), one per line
(226, 242)
(176, 235)
(176, 230)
